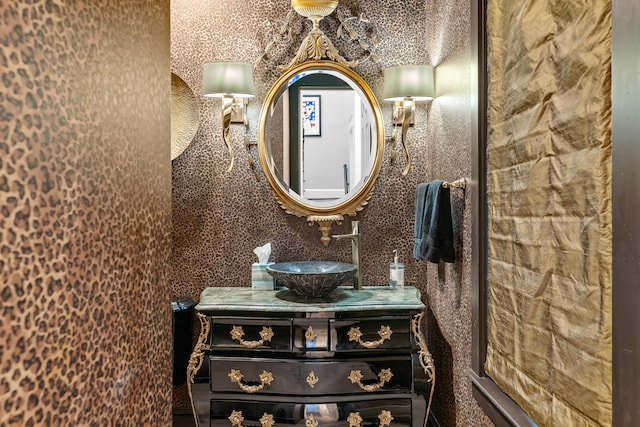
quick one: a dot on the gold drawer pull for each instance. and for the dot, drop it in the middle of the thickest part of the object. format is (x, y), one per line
(311, 335)
(310, 421)
(355, 419)
(384, 376)
(385, 418)
(384, 332)
(265, 334)
(236, 419)
(236, 377)
(312, 379)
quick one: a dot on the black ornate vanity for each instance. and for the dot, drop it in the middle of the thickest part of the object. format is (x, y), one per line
(261, 360)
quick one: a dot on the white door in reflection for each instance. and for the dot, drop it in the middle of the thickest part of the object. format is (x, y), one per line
(331, 162)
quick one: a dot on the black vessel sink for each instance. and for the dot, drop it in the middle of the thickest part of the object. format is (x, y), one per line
(312, 278)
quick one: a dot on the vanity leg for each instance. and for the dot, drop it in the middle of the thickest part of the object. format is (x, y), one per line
(424, 356)
(195, 362)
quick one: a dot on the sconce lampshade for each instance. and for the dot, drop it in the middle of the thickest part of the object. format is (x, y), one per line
(410, 81)
(228, 79)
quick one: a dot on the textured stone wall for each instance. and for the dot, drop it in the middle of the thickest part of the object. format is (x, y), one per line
(219, 216)
(85, 314)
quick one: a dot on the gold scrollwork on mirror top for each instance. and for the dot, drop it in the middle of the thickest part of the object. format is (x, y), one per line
(356, 335)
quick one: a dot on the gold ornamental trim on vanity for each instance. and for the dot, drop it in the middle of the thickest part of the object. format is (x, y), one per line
(424, 356)
(384, 333)
(197, 356)
(265, 335)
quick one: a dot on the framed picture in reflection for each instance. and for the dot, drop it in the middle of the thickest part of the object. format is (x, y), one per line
(310, 112)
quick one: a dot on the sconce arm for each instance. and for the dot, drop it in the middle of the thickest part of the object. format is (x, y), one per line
(227, 108)
(406, 121)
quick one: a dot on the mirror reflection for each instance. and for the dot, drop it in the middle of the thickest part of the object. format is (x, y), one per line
(320, 135)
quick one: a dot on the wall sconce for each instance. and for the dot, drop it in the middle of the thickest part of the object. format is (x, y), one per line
(233, 82)
(405, 85)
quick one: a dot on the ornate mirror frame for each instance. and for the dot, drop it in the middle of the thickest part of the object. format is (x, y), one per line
(324, 216)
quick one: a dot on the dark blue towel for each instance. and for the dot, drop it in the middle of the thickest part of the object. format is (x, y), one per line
(421, 194)
(433, 232)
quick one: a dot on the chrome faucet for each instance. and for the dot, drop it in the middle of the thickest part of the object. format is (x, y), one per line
(356, 253)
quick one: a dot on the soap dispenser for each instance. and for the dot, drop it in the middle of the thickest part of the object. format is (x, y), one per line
(396, 272)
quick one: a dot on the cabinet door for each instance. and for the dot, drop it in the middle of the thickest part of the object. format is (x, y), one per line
(311, 377)
(250, 334)
(366, 334)
(357, 413)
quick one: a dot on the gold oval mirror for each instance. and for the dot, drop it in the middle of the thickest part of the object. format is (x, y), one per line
(321, 142)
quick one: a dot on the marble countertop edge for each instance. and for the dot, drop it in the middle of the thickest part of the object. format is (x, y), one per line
(280, 300)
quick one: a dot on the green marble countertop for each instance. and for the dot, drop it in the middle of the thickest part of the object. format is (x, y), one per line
(343, 299)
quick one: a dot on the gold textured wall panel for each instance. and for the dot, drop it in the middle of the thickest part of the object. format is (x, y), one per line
(549, 208)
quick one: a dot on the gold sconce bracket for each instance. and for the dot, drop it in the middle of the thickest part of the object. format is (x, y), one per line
(403, 111)
(403, 117)
(239, 111)
(234, 111)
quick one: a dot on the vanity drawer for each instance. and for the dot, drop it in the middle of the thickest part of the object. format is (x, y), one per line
(311, 377)
(367, 334)
(250, 333)
(367, 413)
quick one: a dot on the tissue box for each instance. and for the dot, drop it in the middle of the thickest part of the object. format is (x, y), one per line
(260, 279)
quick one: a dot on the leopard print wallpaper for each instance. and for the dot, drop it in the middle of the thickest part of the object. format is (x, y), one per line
(85, 313)
(219, 216)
